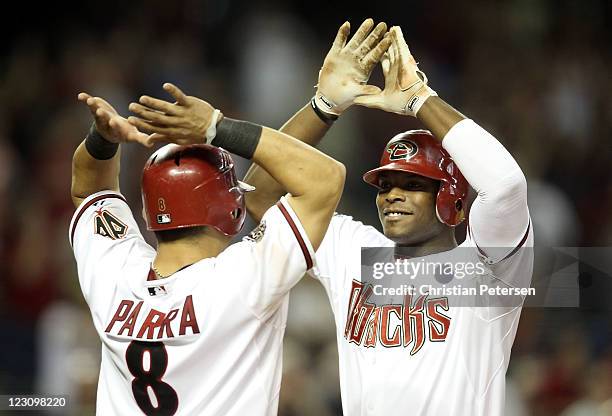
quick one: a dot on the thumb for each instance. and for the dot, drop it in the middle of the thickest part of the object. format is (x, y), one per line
(370, 101)
(176, 92)
(385, 62)
(103, 116)
(155, 138)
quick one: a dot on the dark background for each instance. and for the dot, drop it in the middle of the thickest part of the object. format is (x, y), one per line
(536, 74)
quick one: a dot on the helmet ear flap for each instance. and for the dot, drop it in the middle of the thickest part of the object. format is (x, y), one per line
(225, 210)
(450, 207)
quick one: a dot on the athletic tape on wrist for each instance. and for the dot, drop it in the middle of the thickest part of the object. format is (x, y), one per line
(211, 131)
(238, 137)
(98, 147)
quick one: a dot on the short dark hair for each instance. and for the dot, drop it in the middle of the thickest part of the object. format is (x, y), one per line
(168, 236)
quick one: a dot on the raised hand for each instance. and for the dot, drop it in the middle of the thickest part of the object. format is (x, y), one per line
(347, 66)
(406, 86)
(109, 123)
(182, 122)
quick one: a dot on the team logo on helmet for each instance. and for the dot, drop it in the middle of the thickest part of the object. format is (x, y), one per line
(402, 150)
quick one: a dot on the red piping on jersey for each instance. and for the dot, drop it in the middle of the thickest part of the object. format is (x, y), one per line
(513, 252)
(151, 276)
(87, 205)
(297, 234)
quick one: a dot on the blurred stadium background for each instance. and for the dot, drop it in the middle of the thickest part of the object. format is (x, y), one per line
(536, 73)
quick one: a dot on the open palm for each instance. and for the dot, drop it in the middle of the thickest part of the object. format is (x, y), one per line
(109, 123)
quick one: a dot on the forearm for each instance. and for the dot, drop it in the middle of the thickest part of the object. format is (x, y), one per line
(314, 180)
(499, 215)
(91, 175)
(302, 171)
(482, 159)
(438, 116)
(305, 126)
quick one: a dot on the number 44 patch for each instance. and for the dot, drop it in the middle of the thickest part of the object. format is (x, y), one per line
(107, 225)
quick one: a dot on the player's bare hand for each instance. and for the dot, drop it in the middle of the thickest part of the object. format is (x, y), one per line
(109, 123)
(183, 122)
(406, 86)
(348, 66)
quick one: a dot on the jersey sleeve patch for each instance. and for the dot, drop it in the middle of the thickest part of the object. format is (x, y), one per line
(109, 225)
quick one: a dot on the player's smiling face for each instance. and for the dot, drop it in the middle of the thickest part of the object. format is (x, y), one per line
(406, 207)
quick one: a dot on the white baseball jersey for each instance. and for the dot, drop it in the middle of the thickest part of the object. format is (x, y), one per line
(206, 340)
(421, 355)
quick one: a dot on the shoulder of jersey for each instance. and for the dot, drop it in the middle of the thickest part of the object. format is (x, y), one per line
(343, 218)
(379, 237)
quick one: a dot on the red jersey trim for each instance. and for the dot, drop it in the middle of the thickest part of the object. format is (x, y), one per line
(514, 250)
(151, 276)
(87, 205)
(297, 234)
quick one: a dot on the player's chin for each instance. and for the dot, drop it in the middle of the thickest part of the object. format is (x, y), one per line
(398, 229)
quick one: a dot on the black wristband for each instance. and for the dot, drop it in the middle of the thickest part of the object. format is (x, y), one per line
(326, 118)
(98, 147)
(238, 137)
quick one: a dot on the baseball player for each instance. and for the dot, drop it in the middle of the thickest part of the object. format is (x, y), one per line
(422, 355)
(194, 327)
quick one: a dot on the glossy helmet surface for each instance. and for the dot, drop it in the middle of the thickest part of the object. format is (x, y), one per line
(420, 153)
(189, 186)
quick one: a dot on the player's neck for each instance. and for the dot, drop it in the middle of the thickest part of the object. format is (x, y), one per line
(443, 241)
(173, 256)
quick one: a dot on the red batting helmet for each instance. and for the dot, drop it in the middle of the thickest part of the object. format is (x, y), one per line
(418, 152)
(189, 186)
